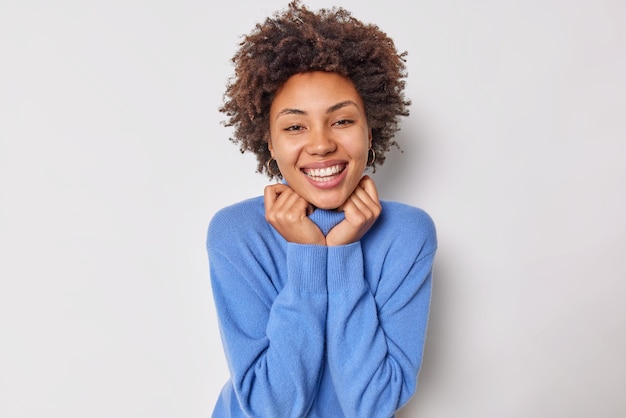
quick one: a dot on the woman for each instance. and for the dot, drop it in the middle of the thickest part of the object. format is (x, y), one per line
(322, 290)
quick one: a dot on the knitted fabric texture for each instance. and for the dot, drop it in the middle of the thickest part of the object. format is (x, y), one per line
(316, 331)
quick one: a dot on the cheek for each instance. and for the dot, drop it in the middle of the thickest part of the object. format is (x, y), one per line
(358, 148)
(285, 153)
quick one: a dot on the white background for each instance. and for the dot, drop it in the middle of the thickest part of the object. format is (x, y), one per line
(113, 160)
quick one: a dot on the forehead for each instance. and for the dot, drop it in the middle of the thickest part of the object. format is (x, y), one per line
(315, 91)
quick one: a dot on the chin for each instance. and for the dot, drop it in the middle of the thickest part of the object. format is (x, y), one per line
(327, 204)
(326, 207)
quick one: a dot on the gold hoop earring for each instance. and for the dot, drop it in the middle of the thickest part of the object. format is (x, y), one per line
(268, 167)
(373, 160)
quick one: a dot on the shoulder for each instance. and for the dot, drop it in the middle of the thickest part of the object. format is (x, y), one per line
(406, 216)
(242, 217)
(406, 224)
(241, 209)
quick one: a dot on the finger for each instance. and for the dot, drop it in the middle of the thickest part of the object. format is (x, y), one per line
(289, 208)
(272, 191)
(370, 201)
(359, 207)
(287, 202)
(365, 209)
(360, 196)
(369, 186)
(271, 194)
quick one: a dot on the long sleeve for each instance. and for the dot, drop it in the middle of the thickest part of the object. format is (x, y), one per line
(378, 307)
(313, 331)
(273, 337)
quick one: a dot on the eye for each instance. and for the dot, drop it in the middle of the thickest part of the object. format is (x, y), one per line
(294, 128)
(343, 122)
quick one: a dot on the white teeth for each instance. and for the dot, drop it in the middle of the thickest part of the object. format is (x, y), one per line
(324, 172)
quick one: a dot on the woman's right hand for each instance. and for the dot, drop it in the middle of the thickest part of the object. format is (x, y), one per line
(287, 212)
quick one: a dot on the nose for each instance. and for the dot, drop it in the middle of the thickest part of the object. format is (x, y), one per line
(321, 142)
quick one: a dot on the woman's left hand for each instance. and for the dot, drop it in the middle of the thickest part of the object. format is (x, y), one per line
(361, 209)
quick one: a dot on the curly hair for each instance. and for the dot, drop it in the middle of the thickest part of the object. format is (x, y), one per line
(297, 41)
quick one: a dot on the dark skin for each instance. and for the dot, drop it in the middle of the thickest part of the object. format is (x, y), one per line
(287, 212)
(320, 136)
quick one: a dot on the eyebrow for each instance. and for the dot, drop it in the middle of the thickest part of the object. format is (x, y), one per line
(331, 109)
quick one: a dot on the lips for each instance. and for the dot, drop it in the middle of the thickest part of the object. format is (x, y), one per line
(324, 173)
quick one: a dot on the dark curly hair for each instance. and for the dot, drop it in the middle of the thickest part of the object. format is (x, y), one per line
(297, 41)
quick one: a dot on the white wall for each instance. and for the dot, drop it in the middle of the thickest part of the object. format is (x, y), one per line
(113, 160)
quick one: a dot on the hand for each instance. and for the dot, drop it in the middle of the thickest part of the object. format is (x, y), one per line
(287, 212)
(361, 209)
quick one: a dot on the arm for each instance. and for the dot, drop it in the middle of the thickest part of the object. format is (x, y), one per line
(273, 338)
(375, 341)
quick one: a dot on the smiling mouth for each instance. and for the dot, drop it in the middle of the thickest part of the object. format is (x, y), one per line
(324, 174)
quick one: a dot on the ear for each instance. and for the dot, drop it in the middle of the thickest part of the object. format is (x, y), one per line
(370, 138)
(268, 139)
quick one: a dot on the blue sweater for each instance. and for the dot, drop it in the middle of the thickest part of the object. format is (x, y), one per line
(315, 331)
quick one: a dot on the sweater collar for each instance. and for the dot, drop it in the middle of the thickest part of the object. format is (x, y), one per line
(326, 219)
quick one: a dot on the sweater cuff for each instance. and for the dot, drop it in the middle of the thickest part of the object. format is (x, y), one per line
(345, 266)
(306, 267)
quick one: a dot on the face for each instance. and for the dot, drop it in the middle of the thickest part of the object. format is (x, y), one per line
(319, 137)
